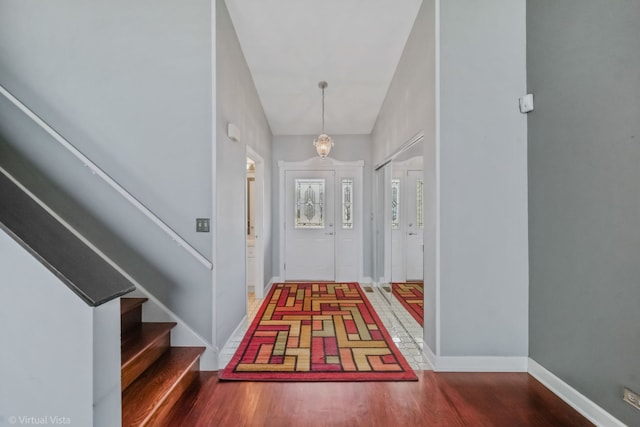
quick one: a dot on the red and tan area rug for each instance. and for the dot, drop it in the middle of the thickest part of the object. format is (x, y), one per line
(411, 296)
(317, 332)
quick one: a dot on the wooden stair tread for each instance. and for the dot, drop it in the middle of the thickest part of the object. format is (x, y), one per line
(190, 402)
(135, 342)
(128, 304)
(141, 347)
(160, 386)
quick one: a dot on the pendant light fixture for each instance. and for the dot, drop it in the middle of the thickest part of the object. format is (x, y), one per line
(323, 142)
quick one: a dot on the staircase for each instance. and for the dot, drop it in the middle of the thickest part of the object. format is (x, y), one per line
(154, 374)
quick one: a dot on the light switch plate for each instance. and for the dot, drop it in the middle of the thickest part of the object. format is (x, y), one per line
(526, 103)
(202, 225)
(631, 397)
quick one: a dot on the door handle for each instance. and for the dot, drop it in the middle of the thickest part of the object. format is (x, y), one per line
(412, 234)
(329, 234)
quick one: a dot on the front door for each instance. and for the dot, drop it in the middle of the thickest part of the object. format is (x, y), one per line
(309, 225)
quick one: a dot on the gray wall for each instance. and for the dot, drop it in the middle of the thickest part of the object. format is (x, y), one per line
(294, 148)
(69, 359)
(409, 108)
(130, 85)
(409, 105)
(483, 179)
(584, 195)
(236, 102)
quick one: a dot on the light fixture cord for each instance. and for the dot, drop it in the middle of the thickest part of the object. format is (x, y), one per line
(322, 110)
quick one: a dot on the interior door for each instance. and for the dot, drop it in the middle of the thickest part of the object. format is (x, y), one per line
(415, 225)
(309, 225)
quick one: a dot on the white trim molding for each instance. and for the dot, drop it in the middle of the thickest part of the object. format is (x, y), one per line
(475, 363)
(243, 325)
(273, 280)
(317, 163)
(586, 407)
(214, 183)
(430, 355)
(259, 212)
(438, 171)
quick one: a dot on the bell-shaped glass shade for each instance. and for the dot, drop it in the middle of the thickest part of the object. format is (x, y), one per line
(323, 144)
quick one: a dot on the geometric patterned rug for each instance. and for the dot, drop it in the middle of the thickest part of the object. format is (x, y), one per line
(411, 296)
(317, 332)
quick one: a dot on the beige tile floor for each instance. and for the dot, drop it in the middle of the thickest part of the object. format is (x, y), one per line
(405, 332)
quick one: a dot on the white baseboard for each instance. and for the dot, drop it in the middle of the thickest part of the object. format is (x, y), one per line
(277, 279)
(242, 324)
(573, 397)
(182, 335)
(274, 279)
(430, 355)
(475, 363)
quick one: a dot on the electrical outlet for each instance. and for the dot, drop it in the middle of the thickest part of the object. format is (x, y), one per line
(202, 225)
(631, 397)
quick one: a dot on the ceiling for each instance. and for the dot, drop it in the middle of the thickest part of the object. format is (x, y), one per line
(291, 45)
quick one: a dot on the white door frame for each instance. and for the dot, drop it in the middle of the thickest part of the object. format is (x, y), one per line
(353, 169)
(397, 244)
(382, 224)
(259, 221)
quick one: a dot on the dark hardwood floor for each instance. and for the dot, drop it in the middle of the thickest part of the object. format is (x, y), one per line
(437, 399)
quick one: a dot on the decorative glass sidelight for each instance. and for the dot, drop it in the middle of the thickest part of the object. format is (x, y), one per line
(395, 207)
(347, 204)
(309, 203)
(419, 204)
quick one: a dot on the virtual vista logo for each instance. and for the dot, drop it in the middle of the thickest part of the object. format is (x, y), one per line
(40, 420)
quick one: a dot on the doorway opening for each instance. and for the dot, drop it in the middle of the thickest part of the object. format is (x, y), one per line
(254, 221)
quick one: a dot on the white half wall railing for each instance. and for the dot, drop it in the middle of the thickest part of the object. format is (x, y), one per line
(95, 169)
